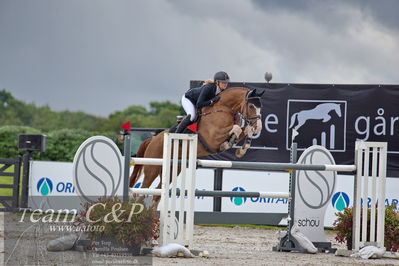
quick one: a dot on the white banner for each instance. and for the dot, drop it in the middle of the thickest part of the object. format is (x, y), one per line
(240, 180)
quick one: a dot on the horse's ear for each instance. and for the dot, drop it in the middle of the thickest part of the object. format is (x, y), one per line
(252, 93)
(260, 94)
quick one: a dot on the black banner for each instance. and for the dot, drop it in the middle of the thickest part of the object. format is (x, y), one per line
(334, 116)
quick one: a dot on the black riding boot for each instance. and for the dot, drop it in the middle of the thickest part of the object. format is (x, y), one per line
(183, 124)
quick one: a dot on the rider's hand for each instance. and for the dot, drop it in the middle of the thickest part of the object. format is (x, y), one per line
(215, 99)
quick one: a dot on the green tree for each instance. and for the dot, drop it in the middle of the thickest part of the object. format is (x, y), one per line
(157, 107)
(160, 114)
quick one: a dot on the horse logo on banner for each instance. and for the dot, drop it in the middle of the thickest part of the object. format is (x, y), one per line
(317, 122)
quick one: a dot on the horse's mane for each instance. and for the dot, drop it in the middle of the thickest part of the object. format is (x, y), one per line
(231, 89)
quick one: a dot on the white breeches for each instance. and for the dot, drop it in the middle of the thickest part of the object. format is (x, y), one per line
(189, 107)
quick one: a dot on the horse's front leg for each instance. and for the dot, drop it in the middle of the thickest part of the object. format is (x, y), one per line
(249, 131)
(234, 134)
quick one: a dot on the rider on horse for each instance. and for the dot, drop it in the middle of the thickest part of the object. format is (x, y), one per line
(206, 95)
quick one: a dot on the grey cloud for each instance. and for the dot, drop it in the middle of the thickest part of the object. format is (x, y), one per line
(384, 12)
(101, 56)
(328, 42)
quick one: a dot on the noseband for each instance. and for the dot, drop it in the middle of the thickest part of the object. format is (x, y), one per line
(252, 120)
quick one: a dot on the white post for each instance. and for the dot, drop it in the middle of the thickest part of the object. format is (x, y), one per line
(192, 168)
(377, 151)
(172, 200)
(381, 194)
(164, 209)
(183, 177)
(373, 194)
(365, 194)
(179, 230)
(357, 197)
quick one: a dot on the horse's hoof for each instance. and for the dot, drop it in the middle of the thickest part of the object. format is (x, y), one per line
(224, 146)
(240, 153)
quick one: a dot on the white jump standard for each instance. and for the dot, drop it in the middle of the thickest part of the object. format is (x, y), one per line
(170, 192)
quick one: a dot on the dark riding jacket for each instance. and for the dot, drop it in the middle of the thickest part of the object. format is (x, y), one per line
(202, 96)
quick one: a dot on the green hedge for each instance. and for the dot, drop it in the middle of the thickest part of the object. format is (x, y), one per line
(61, 144)
(9, 139)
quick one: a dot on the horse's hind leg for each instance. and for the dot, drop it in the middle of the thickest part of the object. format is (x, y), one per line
(156, 199)
(150, 174)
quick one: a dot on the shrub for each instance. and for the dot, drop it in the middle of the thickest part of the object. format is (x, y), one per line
(344, 223)
(141, 227)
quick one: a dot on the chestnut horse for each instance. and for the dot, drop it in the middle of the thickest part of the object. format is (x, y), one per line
(235, 116)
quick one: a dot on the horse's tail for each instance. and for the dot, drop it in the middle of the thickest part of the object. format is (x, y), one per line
(293, 118)
(139, 168)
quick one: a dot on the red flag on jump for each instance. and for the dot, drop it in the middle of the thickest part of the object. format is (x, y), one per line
(126, 125)
(193, 127)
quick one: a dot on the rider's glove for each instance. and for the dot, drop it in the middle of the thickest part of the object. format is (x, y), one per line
(215, 99)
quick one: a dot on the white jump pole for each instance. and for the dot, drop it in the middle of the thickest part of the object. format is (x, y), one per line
(255, 165)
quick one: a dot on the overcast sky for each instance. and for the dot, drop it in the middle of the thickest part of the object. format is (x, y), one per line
(100, 56)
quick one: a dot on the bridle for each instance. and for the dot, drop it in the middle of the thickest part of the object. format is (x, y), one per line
(252, 120)
(239, 117)
(242, 114)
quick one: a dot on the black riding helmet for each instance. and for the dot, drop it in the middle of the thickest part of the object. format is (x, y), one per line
(221, 76)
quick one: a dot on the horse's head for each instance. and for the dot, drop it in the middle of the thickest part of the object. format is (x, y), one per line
(247, 103)
(251, 110)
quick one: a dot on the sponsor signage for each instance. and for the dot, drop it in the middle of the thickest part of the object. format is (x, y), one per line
(278, 182)
(313, 192)
(51, 179)
(50, 183)
(98, 169)
(240, 180)
(333, 116)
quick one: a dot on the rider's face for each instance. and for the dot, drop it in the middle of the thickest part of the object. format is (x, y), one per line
(222, 85)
